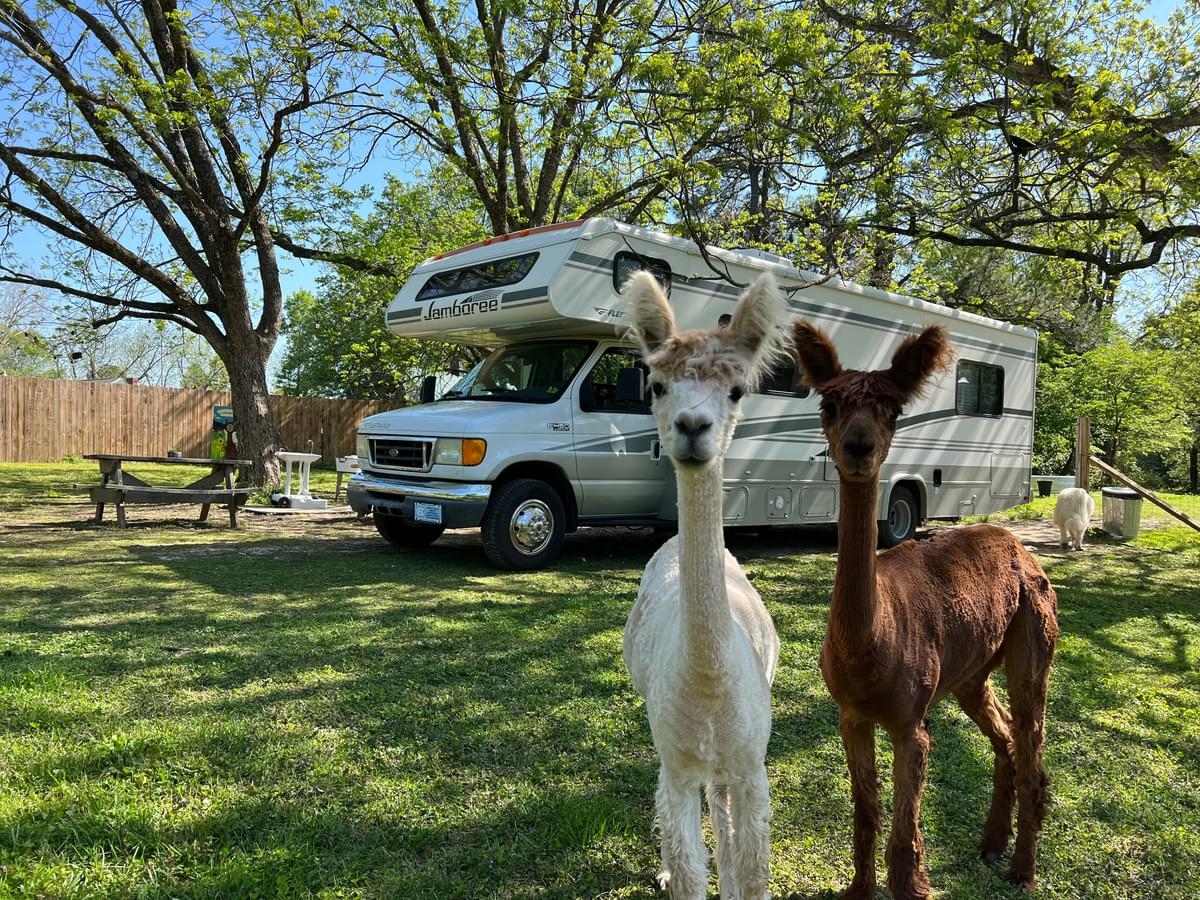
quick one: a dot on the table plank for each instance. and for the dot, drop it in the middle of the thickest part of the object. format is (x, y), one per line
(167, 460)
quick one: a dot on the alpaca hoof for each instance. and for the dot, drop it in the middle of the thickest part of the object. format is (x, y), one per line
(991, 857)
(858, 892)
(1023, 882)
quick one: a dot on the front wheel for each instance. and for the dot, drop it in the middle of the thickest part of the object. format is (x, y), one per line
(400, 532)
(903, 516)
(524, 525)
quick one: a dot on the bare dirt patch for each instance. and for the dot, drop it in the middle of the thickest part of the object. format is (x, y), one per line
(339, 529)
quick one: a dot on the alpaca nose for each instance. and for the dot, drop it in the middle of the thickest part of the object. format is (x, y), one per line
(691, 423)
(859, 444)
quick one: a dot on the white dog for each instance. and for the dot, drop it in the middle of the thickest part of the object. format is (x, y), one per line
(1072, 514)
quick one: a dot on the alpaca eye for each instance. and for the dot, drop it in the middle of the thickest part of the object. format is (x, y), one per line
(736, 394)
(658, 388)
(828, 410)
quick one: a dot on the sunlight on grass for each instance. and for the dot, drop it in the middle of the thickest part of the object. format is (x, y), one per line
(211, 713)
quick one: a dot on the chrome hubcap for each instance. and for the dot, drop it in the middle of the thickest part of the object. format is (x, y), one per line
(901, 518)
(531, 526)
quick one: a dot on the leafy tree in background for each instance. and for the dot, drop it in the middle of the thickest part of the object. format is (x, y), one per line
(24, 350)
(1035, 291)
(854, 136)
(150, 144)
(1129, 395)
(1026, 127)
(524, 102)
(1176, 331)
(338, 345)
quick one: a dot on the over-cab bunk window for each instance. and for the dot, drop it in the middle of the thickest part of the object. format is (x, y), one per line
(979, 389)
(625, 264)
(494, 273)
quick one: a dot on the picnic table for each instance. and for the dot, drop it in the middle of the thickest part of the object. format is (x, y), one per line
(119, 487)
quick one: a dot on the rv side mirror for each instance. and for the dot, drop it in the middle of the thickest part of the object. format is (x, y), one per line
(428, 388)
(631, 385)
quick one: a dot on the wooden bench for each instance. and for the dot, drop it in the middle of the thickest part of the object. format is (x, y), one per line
(119, 487)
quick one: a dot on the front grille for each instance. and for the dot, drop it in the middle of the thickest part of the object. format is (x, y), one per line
(411, 455)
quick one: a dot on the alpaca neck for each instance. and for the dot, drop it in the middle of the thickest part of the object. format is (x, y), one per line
(707, 621)
(854, 613)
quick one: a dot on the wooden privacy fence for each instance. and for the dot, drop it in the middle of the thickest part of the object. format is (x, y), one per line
(44, 419)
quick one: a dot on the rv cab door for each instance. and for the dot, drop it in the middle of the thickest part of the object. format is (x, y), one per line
(617, 454)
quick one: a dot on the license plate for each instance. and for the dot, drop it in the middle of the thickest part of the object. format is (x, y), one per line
(428, 512)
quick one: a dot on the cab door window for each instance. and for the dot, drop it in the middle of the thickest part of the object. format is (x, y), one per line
(598, 392)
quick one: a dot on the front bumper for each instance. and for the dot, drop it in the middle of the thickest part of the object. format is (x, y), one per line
(458, 504)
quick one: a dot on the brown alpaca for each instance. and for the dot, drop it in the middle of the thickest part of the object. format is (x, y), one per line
(923, 620)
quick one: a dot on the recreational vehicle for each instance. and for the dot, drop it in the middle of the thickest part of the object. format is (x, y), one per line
(553, 430)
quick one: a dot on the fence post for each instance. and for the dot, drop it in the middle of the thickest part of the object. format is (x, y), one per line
(1083, 452)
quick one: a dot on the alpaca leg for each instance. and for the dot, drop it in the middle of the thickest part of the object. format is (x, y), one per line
(1027, 685)
(684, 859)
(858, 739)
(723, 827)
(752, 831)
(906, 848)
(979, 702)
(1064, 539)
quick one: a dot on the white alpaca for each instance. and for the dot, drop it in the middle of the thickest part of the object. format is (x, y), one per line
(1072, 514)
(699, 644)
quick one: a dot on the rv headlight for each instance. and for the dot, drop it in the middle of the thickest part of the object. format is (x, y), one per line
(459, 451)
(363, 448)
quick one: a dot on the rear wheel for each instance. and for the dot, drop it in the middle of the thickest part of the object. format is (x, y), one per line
(400, 532)
(903, 516)
(524, 525)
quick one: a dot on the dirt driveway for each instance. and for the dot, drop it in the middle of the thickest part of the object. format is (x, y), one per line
(339, 526)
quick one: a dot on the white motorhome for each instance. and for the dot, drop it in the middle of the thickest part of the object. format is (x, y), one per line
(553, 430)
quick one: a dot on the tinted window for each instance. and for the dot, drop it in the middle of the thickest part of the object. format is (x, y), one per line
(598, 393)
(626, 264)
(979, 389)
(493, 274)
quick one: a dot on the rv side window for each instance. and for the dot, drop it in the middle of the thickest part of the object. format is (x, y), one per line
(626, 264)
(979, 390)
(493, 274)
(598, 391)
(782, 380)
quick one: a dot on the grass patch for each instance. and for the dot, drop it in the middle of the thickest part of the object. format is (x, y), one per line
(201, 713)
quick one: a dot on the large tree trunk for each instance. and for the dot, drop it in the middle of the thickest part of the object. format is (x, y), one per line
(258, 436)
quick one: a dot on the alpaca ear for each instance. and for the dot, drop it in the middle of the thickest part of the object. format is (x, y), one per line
(652, 320)
(817, 356)
(756, 317)
(919, 357)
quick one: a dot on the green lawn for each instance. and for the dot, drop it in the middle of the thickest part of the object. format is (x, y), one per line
(200, 712)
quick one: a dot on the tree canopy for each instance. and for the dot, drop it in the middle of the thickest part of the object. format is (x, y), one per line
(338, 345)
(1019, 159)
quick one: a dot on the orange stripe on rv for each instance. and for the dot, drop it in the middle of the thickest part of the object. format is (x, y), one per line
(524, 232)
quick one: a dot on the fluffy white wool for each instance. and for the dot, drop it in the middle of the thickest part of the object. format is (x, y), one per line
(1072, 513)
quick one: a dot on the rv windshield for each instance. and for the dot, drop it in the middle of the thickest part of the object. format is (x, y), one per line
(525, 373)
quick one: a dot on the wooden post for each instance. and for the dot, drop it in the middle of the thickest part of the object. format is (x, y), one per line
(1083, 452)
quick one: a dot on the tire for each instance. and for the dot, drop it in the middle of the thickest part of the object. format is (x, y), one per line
(904, 514)
(284, 502)
(399, 532)
(524, 526)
